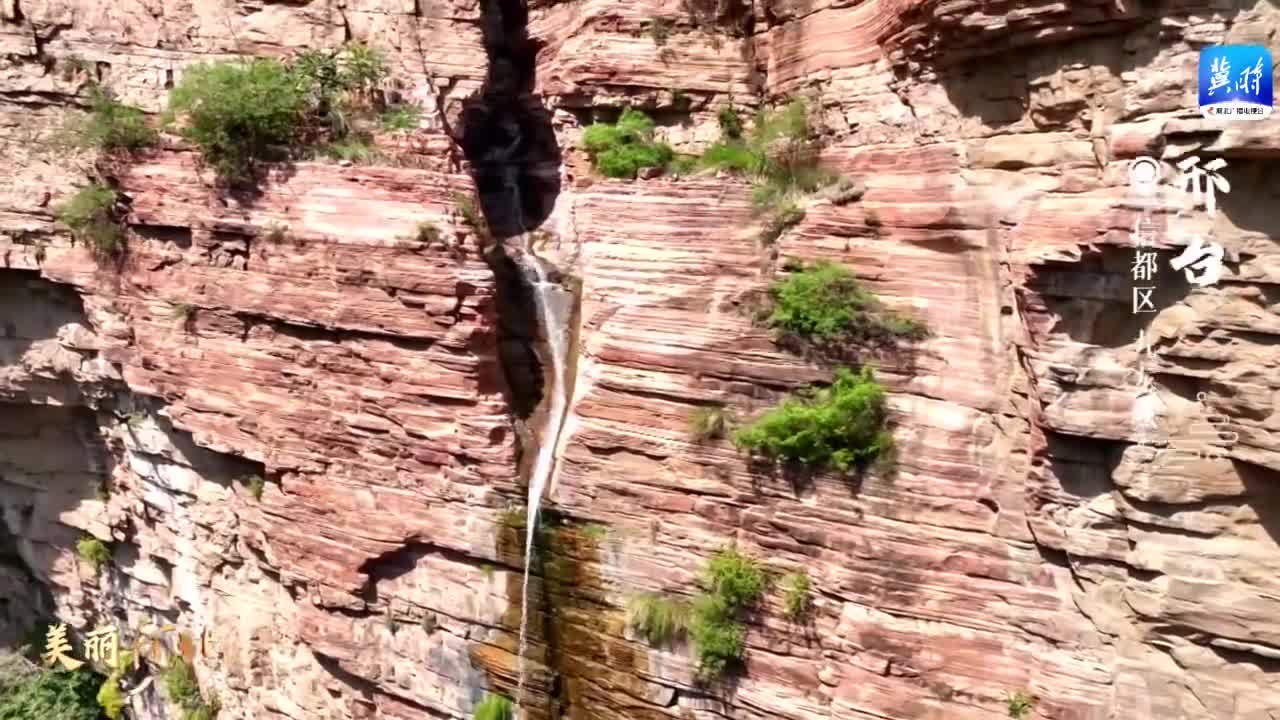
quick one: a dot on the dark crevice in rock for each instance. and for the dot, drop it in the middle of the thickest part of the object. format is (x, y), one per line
(506, 133)
(517, 321)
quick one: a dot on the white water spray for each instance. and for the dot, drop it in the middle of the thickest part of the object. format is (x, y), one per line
(555, 306)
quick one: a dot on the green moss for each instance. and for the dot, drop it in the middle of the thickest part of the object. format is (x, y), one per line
(838, 427)
(796, 598)
(1020, 704)
(494, 707)
(825, 303)
(709, 423)
(659, 619)
(94, 551)
(91, 216)
(622, 149)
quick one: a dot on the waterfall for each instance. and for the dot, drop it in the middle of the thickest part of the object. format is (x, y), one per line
(555, 306)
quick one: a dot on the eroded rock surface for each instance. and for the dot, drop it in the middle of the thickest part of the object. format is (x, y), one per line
(306, 336)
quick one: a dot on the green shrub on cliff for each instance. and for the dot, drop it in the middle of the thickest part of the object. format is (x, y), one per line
(494, 707)
(92, 217)
(29, 692)
(732, 584)
(182, 687)
(622, 149)
(110, 125)
(238, 112)
(94, 551)
(824, 303)
(839, 427)
(797, 600)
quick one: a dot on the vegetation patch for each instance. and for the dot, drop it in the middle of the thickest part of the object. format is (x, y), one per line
(710, 423)
(241, 112)
(94, 551)
(797, 599)
(255, 484)
(732, 584)
(1020, 704)
(824, 305)
(180, 684)
(622, 149)
(660, 619)
(28, 691)
(110, 125)
(494, 707)
(840, 427)
(401, 117)
(92, 214)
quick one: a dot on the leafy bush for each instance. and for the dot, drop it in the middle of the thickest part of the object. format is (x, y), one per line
(733, 584)
(30, 693)
(494, 707)
(182, 687)
(838, 427)
(825, 303)
(796, 600)
(91, 216)
(111, 125)
(1020, 703)
(427, 234)
(238, 112)
(621, 149)
(94, 551)
(660, 619)
(709, 423)
(730, 122)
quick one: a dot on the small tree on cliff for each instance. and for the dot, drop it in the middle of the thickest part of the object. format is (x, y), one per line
(238, 113)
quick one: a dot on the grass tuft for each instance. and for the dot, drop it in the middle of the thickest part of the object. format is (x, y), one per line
(661, 620)
(1020, 704)
(710, 423)
(797, 600)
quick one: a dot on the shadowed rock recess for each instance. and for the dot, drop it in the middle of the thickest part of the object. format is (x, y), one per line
(372, 379)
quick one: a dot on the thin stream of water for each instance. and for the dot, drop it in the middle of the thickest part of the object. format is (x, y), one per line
(554, 314)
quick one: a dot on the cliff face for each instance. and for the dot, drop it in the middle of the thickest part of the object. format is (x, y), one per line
(374, 380)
